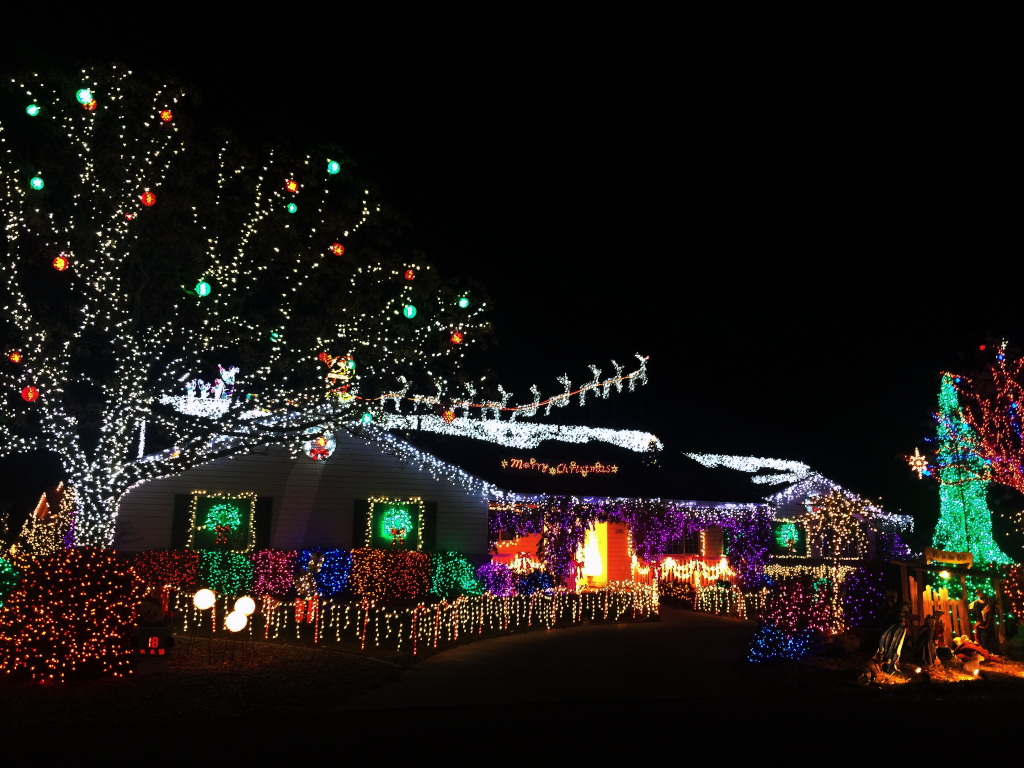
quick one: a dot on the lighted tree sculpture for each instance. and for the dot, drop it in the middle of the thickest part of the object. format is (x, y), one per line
(171, 300)
(964, 472)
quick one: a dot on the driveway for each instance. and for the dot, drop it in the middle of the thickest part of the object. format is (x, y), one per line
(684, 655)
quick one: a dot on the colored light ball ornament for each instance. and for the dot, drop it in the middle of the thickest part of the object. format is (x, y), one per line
(14, 357)
(202, 288)
(292, 185)
(366, 418)
(32, 110)
(448, 416)
(338, 249)
(463, 303)
(333, 166)
(61, 263)
(148, 199)
(84, 96)
(30, 394)
(409, 311)
(245, 606)
(275, 336)
(410, 274)
(91, 106)
(203, 599)
(236, 621)
(129, 216)
(36, 182)
(456, 337)
(166, 115)
(292, 207)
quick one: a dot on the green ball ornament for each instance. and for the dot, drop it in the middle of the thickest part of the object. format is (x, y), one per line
(463, 303)
(202, 288)
(84, 96)
(333, 166)
(36, 182)
(292, 207)
(367, 418)
(32, 110)
(409, 311)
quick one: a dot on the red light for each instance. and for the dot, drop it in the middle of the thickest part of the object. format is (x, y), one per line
(60, 263)
(91, 106)
(14, 357)
(337, 249)
(165, 115)
(129, 216)
(410, 274)
(292, 185)
(456, 337)
(323, 357)
(982, 347)
(321, 441)
(28, 394)
(449, 416)
(148, 198)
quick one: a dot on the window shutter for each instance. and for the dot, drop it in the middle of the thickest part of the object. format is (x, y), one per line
(428, 536)
(181, 520)
(261, 519)
(360, 515)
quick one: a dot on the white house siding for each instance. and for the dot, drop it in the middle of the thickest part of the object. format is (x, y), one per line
(313, 500)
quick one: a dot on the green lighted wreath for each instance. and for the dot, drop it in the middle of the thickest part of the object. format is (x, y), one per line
(226, 515)
(396, 524)
(786, 532)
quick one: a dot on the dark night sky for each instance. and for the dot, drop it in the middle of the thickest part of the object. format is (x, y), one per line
(800, 244)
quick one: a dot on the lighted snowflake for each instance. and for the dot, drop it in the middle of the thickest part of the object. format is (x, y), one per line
(919, 464)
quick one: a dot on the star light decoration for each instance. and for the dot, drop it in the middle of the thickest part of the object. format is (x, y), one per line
(919, 464)
(151, 360)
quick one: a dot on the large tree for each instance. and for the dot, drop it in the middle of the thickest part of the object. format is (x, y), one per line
(147, 258)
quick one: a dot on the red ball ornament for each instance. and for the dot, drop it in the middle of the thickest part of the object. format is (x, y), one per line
(91, 106)
(457, 337)
(15, 356)
(28, 394)
(448, 416)
(323, 357)
(292, 185)
(166, 116)
(410, 274)
(337, 249)
(982, 347)
(60, 263)
(148, 198)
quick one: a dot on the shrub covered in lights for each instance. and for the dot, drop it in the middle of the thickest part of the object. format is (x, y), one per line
(226, 573)
(497, 579)
(863, 596)
(9, 578)
(892, 547)
(72, 612)
(772, 644)
(175, 568)
(534, 581)
(452, 576)
(273, 571)
(333, 576)
(390, 575)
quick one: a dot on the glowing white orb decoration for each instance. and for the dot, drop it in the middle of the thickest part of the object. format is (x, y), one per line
(236, 621)
(245, 605)
(204, 599)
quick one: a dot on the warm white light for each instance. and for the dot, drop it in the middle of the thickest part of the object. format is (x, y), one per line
(204, 599)
(245, 605)
(236, 621)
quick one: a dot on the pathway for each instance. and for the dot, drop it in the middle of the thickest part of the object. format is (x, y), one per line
(684, 655)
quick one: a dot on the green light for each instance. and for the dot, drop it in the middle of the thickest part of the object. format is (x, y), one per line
(367, 418)
(409, 311)
(395, 519)
(333, 166)
(202, 288)
(84, 96)
(292, 207)
(784, 533)
(32, 109)
(275, 336)
(351, 364)
(36, 182)
(225, 515)
(463, 302)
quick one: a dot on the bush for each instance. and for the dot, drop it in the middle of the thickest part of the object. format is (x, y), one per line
(381, 574)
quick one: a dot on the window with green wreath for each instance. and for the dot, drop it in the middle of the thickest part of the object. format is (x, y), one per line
(222, 522)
